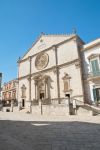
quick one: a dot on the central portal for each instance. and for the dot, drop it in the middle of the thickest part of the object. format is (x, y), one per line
(42, 87)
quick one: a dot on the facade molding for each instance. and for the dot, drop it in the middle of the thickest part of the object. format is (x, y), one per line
(51, 68)
(57, 45)
(91, 46)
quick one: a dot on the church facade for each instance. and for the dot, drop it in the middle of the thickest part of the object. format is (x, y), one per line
(51, 70)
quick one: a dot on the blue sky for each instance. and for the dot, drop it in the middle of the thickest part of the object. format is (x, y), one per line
(22, 21)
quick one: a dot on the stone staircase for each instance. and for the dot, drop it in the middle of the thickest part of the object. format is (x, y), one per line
(88, 109)
(95, 109)
(60, 109)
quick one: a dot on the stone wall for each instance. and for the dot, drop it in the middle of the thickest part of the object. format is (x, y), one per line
(58, 109)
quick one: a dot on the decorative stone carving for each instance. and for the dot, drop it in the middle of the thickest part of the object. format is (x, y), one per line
(54, 47)
(55, 70)
(77, 64)
(93, 56)
(29, 58)
(66, 80)
(29, 78)
(41, 61)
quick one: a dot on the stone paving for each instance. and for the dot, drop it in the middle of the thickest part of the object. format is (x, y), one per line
(19, 131)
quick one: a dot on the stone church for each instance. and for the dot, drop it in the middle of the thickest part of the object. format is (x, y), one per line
(51, 70)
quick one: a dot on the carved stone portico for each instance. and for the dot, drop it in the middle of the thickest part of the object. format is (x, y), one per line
(42, 88)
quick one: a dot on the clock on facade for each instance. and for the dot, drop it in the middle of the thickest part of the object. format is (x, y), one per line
(41, 61)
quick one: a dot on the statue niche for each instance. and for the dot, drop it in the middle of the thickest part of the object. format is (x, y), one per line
(66, 81)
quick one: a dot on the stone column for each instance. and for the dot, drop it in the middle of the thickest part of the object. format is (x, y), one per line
(11, 107)
(45, 96)
(35, 90)
(35, 83)
(29, 101)
(19, 103)
(29, 79)
(57, 72)
(46, 88)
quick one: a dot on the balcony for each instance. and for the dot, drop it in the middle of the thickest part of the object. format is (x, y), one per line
(94, 76)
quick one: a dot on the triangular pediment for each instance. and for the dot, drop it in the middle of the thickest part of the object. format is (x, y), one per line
(44, 42)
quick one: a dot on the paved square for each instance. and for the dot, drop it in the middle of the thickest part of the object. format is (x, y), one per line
(19, 131)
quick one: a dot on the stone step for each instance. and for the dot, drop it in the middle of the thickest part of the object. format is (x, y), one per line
(84, 111)
(91, 109)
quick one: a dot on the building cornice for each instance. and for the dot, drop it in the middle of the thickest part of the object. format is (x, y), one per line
(96, 43)
(48, 35)
(12, 89)
(93, 56)
(51, 68)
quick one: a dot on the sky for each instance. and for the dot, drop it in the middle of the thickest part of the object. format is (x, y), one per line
(22, 21)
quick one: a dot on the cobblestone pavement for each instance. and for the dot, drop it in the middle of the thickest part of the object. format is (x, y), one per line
(19, 131)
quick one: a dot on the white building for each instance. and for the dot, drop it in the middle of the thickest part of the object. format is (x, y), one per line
(50, 70)
(91, 60)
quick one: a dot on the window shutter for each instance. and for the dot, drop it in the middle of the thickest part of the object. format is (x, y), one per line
(95, 67)
(94, 94)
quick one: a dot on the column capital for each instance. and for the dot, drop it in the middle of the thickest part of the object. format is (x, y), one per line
(35, 82)
(54, 47)
(29, 58)
(77, 64)
(29, 78)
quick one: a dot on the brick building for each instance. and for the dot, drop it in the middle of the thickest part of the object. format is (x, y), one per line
(9, 92)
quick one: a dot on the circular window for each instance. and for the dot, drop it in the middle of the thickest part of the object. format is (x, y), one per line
(41, 61)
